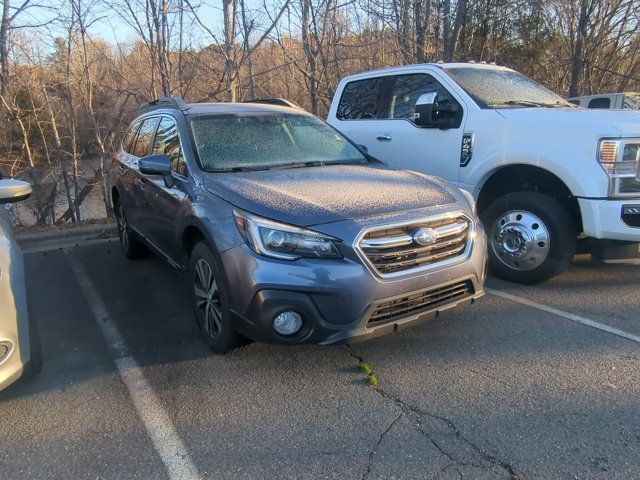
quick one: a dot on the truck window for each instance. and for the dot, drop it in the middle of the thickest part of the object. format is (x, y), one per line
(600, 102)
(359, 100)
(405, 92)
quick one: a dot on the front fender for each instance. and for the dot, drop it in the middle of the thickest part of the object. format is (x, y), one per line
(579, 171)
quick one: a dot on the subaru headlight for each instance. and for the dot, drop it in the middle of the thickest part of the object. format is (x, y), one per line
(620, 158)
(285, 242)
(470, 200)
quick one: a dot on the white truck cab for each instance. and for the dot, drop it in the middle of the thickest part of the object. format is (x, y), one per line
(614, 101)
(543, 171)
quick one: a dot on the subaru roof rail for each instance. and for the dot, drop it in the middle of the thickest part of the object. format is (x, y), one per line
(282, 102)
(164, 102)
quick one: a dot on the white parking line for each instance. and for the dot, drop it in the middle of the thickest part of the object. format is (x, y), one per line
(561, 313)
(161, 431)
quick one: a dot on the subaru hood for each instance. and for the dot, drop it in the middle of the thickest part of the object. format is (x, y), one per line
(582, 120)
(316, 195)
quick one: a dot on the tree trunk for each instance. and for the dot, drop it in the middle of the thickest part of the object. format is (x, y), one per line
(4, 48)
(577, 59)
(230, 71)
(311, 57)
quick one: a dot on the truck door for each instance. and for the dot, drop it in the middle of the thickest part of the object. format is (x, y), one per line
(379, 112)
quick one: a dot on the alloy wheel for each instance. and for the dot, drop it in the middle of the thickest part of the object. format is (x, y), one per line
(207, 298)
(520, 240)
(123, 229)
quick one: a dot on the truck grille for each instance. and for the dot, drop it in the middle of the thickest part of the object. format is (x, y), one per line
(396, 250)
(420, 302)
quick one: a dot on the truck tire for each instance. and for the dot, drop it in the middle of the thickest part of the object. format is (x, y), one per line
(531, 237)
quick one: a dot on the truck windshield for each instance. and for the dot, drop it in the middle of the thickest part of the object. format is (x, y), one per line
(498, 88)
(260, 141)
(632, 101)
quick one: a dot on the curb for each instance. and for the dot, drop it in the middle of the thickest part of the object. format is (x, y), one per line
(65, 236)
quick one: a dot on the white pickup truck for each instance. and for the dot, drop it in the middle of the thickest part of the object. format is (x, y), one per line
(544, 173)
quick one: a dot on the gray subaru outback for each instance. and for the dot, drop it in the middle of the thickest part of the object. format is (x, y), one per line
(286, 231)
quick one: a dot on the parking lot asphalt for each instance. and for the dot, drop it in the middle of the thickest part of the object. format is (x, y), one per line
(513, 387)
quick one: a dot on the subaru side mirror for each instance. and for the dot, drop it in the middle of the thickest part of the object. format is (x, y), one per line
(13, 190)
(157, 164)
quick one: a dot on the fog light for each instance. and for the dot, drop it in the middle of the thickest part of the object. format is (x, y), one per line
(287, 323)
(5, 349)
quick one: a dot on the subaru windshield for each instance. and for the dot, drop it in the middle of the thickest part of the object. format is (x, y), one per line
(264, 140)
(498, 88)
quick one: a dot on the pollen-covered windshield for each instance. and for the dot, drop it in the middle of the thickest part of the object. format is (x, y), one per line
(501, 88)
(261, 140)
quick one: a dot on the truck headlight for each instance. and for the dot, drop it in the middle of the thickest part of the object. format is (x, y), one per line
(285, 242)
(620, 158)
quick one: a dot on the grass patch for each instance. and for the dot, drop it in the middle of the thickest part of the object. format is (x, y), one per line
(366, 368)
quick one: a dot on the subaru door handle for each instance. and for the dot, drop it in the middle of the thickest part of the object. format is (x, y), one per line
(384, 137)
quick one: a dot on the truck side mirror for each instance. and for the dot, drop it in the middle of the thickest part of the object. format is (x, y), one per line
(423, 112)
(428, 113)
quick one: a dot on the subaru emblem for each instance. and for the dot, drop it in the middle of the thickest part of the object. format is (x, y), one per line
(425, 236)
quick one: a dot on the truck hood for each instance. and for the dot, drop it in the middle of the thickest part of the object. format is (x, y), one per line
(598, 122)
(317, 195)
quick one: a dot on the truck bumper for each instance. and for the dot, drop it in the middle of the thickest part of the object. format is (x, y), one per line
(611, 219)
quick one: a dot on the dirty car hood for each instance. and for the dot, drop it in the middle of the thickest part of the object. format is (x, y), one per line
(316, 195)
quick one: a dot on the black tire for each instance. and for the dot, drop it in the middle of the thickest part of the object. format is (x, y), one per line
(131, 245)
(553, 218)
(213, 314)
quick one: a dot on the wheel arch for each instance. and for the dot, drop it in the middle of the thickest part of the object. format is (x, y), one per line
(523, 177)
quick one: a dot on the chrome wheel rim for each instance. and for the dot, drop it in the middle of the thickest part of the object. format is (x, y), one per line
(207, 298)
(123, 230)
(520, 240)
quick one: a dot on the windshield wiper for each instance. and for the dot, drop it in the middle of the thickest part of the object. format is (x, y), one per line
(526, 103)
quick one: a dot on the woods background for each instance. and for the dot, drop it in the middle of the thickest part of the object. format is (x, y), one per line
(67, 92)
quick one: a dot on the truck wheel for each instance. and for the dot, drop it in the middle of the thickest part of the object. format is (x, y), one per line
(210, 301)
(531, 237)
(131, 245)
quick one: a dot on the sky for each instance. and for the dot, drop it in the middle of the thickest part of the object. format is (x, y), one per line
(106, 23)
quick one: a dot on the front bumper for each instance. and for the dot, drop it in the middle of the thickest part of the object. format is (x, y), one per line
(337, 298)
(14, 325)
(609, 219)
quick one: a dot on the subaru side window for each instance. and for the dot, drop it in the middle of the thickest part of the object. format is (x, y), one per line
(167, 141)
(129, 138)
(360, 99)
(145, 134)
(407, 89)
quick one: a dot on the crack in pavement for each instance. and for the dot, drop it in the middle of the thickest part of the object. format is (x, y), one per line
(372, 453)
(415, 414)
